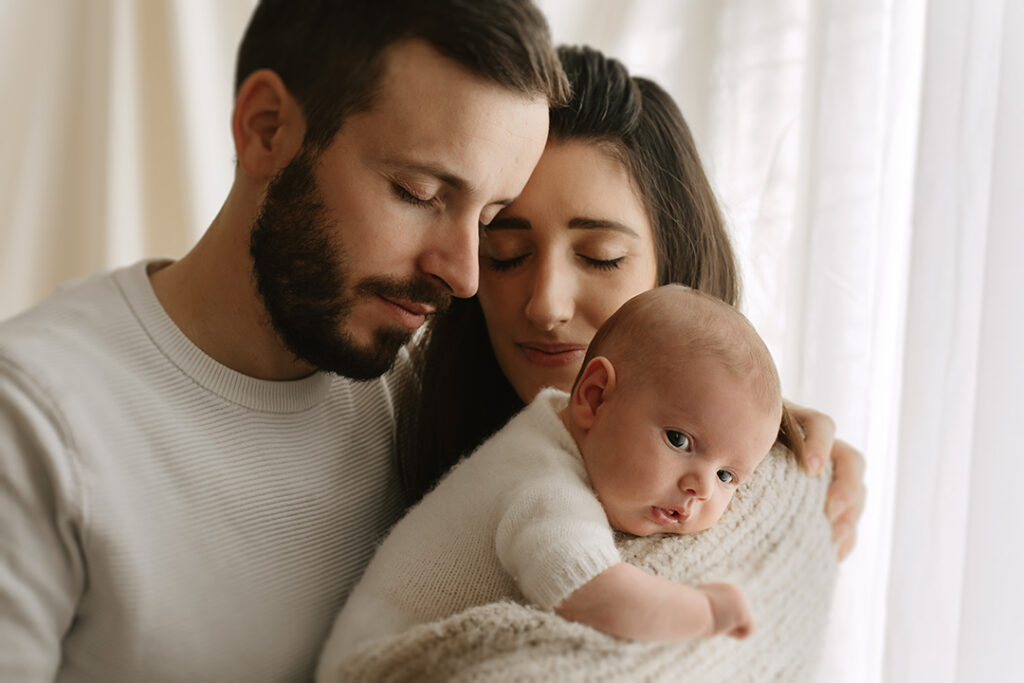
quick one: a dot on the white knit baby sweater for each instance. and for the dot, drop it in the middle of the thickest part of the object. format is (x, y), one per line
(164, 518)
(515, 519)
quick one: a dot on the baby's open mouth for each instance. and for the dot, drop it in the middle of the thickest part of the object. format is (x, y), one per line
(668, 516)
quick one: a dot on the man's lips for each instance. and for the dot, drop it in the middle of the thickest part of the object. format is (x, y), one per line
(411, 314)
(551, 355)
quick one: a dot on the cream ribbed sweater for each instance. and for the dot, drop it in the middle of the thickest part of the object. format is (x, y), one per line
(516, 519)
(165, 518)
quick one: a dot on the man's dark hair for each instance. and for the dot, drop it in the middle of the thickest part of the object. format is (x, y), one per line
(330, 53)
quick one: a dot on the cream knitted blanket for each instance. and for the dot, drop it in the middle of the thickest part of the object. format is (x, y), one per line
(773, 541)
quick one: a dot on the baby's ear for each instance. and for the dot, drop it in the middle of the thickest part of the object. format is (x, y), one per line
(595, 386)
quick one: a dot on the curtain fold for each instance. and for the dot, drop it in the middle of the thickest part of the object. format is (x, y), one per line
(946, 621)
(814, 116)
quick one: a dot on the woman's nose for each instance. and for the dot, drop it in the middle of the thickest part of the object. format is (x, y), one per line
(551, 300)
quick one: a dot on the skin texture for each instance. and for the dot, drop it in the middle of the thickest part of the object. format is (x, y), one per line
(544, 294)
(575, 246)
(402, 191)
(627, 602)
(667, 456)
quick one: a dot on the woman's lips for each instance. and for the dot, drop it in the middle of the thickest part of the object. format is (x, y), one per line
(553, 355)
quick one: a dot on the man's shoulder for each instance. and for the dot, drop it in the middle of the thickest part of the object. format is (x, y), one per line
(69, 326)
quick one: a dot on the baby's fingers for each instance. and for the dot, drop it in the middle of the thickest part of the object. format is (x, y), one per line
(743, 630)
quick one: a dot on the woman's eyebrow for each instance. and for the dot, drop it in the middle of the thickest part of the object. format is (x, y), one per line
(578, 223)
(602, 224)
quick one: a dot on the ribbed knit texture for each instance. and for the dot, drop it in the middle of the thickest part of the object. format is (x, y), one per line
(516, 519)
(166, 518)
(774, 542)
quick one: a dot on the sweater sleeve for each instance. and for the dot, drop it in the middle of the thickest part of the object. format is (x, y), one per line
(553, 537)
(41, 572)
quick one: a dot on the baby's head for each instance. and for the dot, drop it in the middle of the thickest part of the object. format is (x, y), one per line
(677, 403)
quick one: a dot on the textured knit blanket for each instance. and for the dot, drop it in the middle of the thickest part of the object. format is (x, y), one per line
(773, 542)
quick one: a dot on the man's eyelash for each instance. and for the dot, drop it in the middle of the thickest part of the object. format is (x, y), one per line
(409, 197)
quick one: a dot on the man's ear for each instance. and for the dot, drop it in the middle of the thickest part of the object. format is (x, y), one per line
(267, 125)
(597, 382)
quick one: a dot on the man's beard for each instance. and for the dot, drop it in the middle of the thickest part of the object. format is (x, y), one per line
(301, 275)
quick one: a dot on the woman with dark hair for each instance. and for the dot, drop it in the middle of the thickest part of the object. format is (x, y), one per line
(618, 204)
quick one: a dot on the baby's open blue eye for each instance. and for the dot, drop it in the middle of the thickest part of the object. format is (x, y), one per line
(678, 439)
(725, 476)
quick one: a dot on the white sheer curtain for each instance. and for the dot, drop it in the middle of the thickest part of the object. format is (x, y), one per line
(116, 133)
(869, 156)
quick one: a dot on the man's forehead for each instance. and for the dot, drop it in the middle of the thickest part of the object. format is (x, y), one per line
(414, 65)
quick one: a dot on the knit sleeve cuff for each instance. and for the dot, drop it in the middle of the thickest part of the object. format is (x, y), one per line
(552, 540)
(553, 576)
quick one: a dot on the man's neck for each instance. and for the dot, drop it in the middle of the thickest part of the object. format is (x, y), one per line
(211, 296)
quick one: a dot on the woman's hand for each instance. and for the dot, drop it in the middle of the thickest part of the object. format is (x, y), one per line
(845, 501)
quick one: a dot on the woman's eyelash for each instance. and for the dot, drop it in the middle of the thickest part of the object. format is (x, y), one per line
(409, 197)
(600, 264)
(604, 264)
(506, 264)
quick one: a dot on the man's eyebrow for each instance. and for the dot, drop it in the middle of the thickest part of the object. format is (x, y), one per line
(448, 178)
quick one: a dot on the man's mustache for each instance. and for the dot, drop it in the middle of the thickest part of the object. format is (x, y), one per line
(417, 290)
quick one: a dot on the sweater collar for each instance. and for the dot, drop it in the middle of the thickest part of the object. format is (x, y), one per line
(547, 404)
(249, 392)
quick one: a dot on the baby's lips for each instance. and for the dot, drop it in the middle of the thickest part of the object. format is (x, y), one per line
(668, 515)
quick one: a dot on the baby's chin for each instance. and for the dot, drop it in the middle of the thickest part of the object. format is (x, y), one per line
(650, 528)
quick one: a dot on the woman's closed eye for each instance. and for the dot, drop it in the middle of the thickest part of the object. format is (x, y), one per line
(603, 264)
(503, 264)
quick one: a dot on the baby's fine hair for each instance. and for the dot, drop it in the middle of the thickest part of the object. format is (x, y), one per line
(664, 326)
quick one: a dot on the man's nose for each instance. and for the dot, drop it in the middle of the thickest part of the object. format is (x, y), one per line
(453, 256)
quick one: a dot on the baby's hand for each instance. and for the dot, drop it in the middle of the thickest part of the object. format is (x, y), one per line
(730, 610)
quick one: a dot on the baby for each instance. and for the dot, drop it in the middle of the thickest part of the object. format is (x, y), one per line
(677, 403)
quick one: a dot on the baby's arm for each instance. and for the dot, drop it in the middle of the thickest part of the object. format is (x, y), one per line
(627, 602)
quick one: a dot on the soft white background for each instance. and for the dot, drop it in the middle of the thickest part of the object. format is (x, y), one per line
(869, 155)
